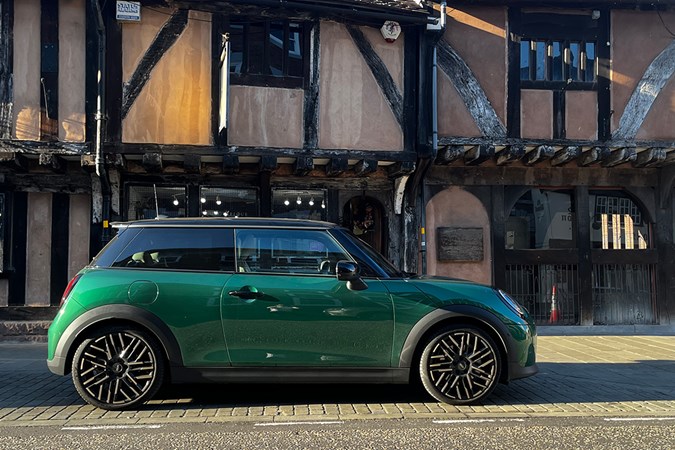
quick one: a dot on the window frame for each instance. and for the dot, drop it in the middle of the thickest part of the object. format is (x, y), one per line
(245, 78)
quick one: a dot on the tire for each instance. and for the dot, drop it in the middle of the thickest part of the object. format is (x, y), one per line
(460, 365)
(117, 368)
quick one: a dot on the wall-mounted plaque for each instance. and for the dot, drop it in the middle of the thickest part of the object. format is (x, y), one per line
(459, 244)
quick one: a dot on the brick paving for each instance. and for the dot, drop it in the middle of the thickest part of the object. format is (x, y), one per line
(579, 376)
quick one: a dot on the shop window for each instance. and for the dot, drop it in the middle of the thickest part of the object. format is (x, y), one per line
(228, 202)
(617, 222)
(267, 52)
(557, 61)
(542, 219)
(299, 204)
(150, 202)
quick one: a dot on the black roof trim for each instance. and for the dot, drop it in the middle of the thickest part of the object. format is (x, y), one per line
(267, 222)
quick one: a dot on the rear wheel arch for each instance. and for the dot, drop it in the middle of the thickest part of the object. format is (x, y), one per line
(118, 315)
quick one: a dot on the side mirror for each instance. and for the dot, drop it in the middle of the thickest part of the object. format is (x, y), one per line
(350, 272)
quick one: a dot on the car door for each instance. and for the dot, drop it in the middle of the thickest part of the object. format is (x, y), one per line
(285, 307)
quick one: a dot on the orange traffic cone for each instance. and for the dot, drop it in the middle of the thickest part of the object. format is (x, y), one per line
(555, 315)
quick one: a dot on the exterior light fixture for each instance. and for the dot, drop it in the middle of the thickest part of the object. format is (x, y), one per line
(203, 199)
(175, 200)
(323, 204)
(204, 213)
(298, 200)
(225, 214)
(218, 201)
(286, 202)
(215, 213)
(311, 201)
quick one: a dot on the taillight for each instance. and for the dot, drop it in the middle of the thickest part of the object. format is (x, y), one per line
(69, 288)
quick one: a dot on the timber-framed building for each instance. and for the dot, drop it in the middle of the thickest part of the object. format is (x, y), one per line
(529, 145)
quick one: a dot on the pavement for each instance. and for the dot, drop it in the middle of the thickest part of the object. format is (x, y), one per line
(603, 375)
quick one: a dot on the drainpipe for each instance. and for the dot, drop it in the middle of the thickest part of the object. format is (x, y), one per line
(438, 30)
(99, 162)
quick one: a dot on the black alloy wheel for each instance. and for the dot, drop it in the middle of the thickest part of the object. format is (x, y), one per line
(117, 367)
(460, 365)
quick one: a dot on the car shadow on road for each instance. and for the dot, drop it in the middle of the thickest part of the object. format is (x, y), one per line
(555, 383)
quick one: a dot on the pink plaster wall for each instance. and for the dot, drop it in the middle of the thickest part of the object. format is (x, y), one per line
(581, 115)
(268, 117)
(174, 106)
(455, 207)
(72, 64)
(536, 114)
(353, 111)
(479, 36)
(637, 38)
(26, 67)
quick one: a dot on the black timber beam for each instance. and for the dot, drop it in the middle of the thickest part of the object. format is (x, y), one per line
(538, 154)
(166, 37)
(116, 161)
(230, 164)
(152, 162)
(192, 164)
(365, 166)
(268, 163)
(566, 155)
(620, 156)
(14, 160)
(53, 162)
(311, 99)
(479, 154)
(400, 169)
(6, 68)
(651, 157)
(379, 70)
(449, 153)
(509, 154)
(592, 156)
(336, 166)
(303, 165)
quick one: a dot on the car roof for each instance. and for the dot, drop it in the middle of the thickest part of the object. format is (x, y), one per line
(225, 222)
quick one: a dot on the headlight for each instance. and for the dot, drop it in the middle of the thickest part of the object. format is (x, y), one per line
(512, 304)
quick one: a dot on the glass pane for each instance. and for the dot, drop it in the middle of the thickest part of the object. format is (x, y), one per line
(590, 61)
(541, 61)
(542, 219)
(236, 48)
(144, 204)
(574, 61)
(617, 222)
(287, 251)
(256, 48)
(180, 249)
(525, 60)
(557, 61)
(299, 204)
(227, 202)
(276, 48)
(295, 40)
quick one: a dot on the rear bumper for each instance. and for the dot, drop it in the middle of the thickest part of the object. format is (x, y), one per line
(517, 371)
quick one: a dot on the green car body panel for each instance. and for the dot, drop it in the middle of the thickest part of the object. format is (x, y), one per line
(228, 320)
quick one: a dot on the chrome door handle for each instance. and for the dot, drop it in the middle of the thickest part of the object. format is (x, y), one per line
(246, 294)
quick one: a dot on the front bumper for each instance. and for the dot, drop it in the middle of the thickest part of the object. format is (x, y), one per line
(57, 365)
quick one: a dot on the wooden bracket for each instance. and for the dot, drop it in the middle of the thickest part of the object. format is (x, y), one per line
(230, 164)
(449, 153)
(336, 166)
(152, 162)
(538, 154)
(478, 154)
(268, 163)
(303, 165)
(510, 153)
(652, 157)
(54, 163)
(620, 156)
(593, 155)
(566, 155)
(365, 166)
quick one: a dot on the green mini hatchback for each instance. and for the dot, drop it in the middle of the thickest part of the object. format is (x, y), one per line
(245, 300)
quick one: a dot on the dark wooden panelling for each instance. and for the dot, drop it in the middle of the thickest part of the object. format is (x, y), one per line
(585, 262)
(17, 257)
(114, 80)
(604, 96)
(513, 81)
(60, 243)
(6, 67)
(497, 226)
(49, 70)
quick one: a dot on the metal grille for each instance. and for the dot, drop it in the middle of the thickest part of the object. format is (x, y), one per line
(623, 294)
(548, 291)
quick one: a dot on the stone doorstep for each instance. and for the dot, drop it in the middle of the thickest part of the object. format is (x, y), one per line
(24, 330)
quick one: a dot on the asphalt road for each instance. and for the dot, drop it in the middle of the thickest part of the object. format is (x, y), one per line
(530, 433)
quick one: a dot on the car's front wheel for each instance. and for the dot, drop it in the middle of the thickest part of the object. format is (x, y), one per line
(117, 368)
(460, 365)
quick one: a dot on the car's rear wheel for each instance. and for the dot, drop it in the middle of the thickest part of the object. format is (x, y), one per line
(117, 368)
(460, 365)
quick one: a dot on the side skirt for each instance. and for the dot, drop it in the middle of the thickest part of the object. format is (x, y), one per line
(311, 375)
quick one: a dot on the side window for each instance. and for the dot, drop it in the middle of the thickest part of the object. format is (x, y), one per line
(206, 249)
(309, 252)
